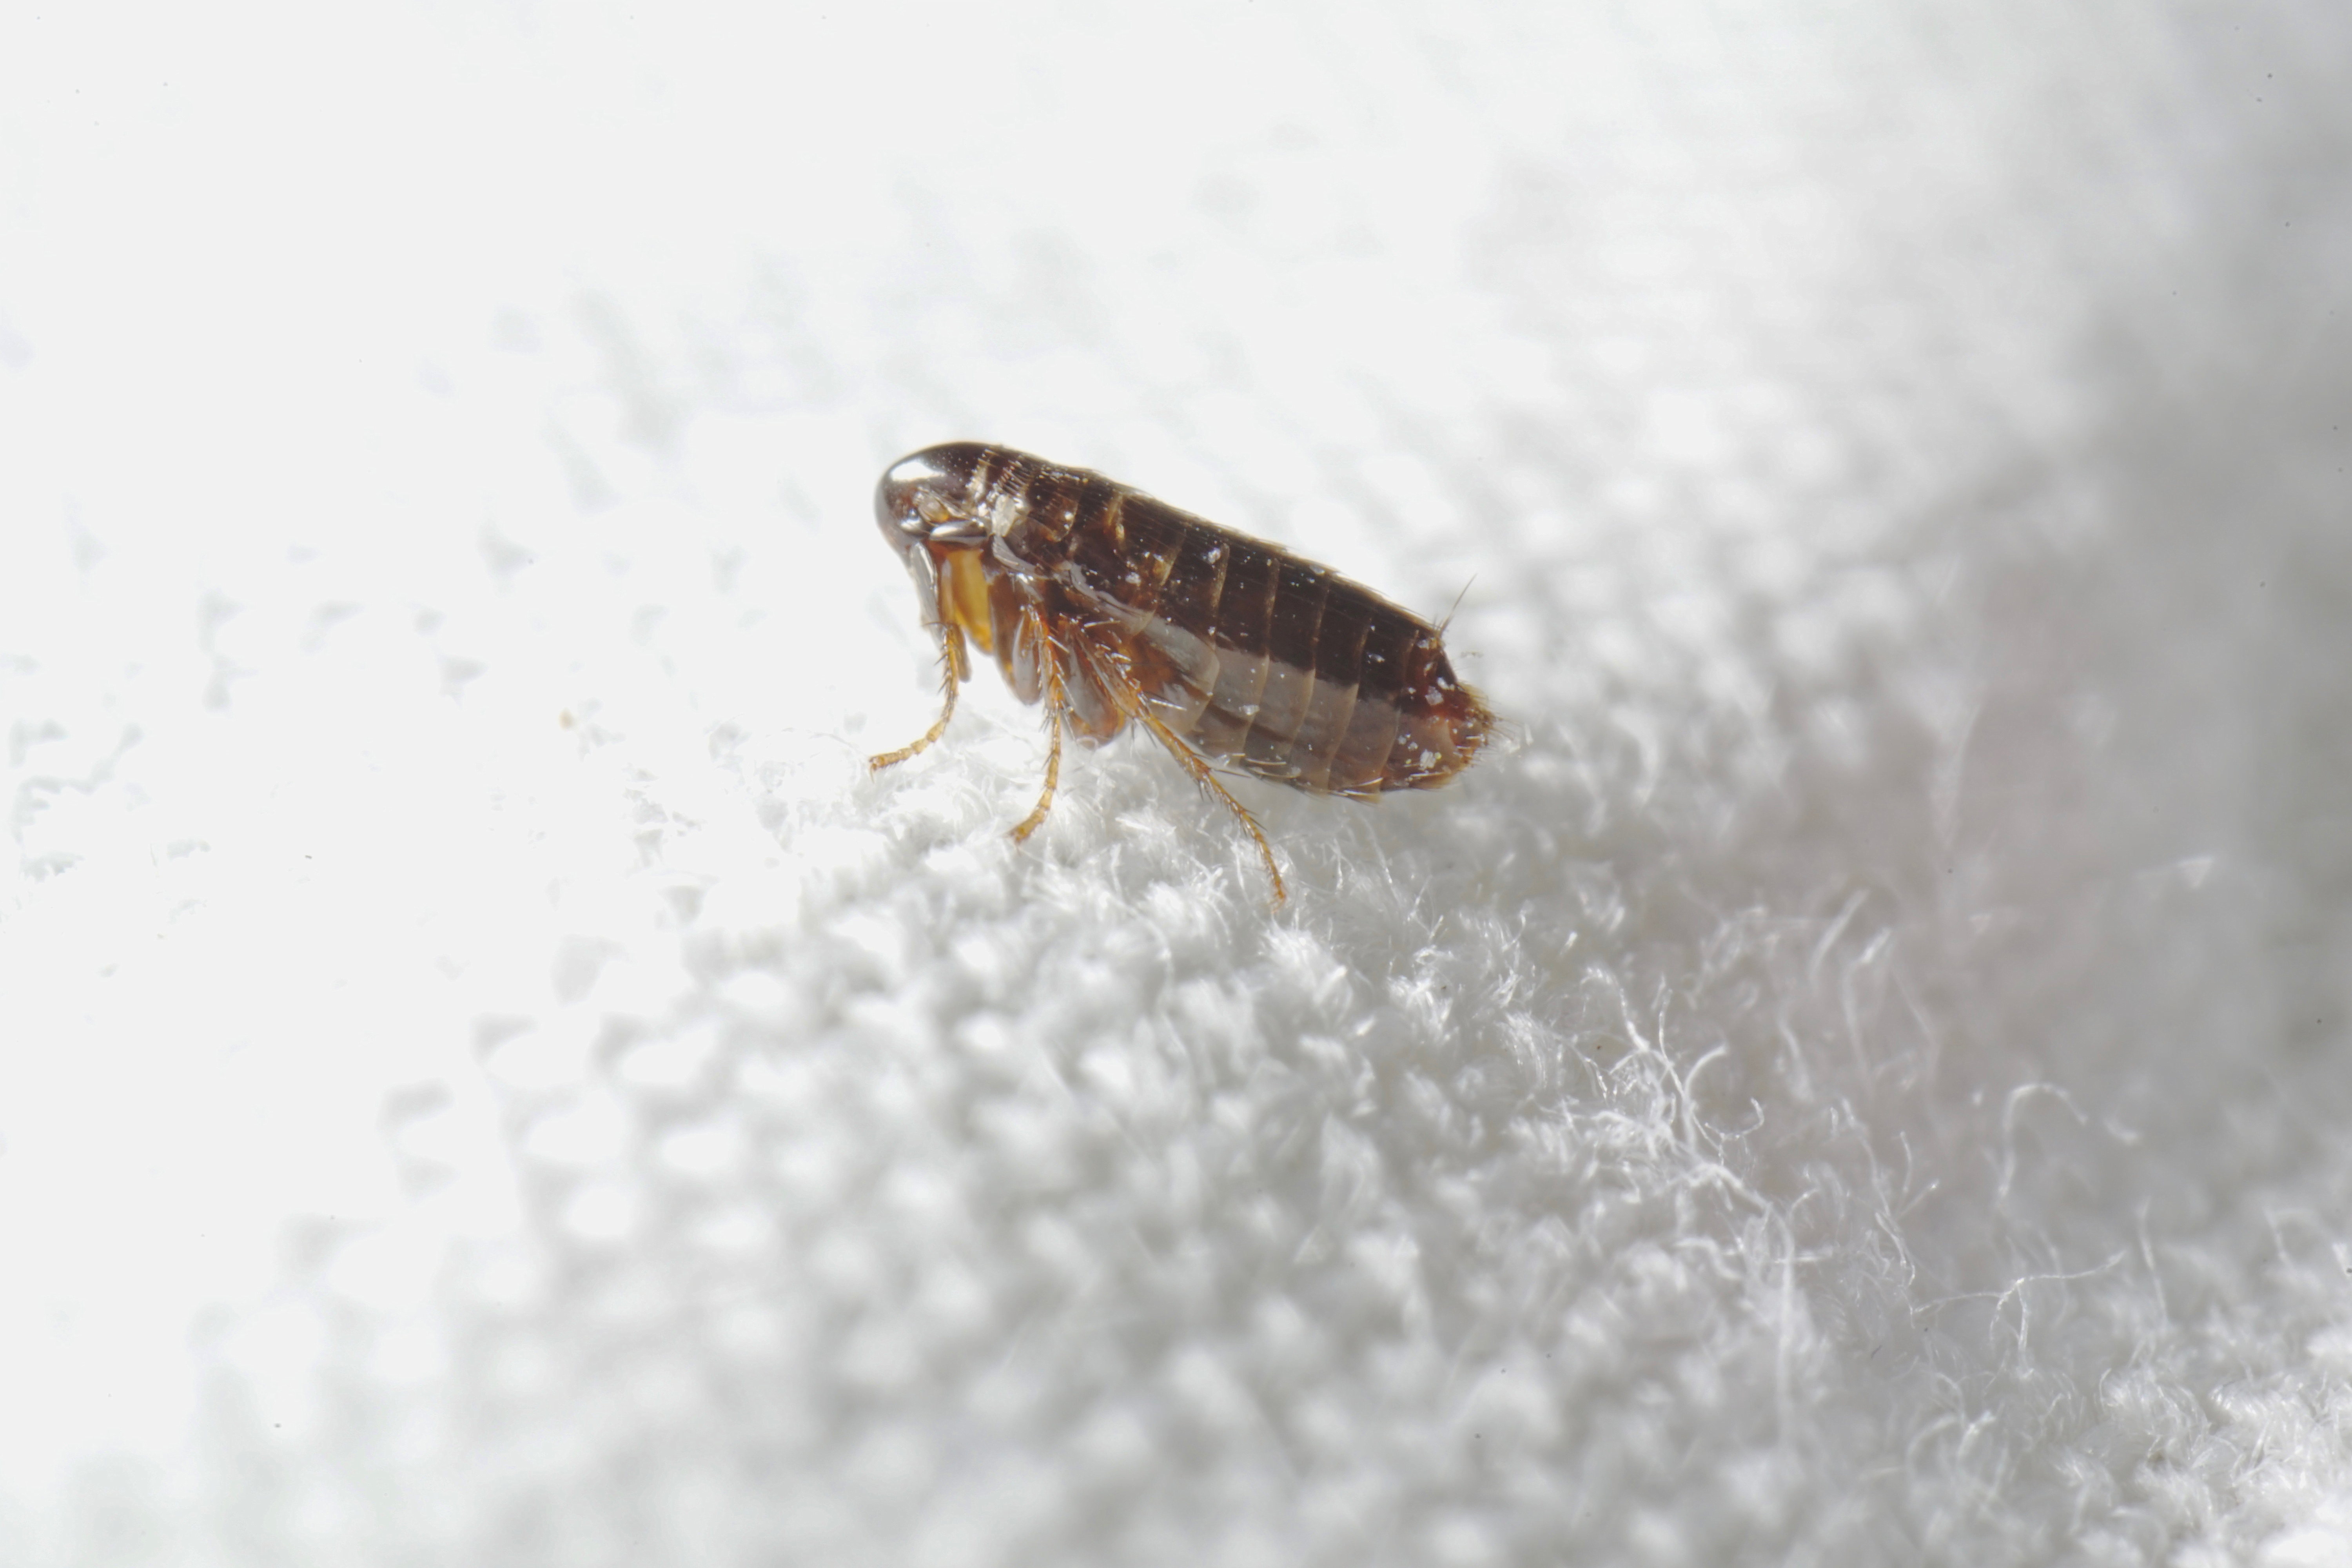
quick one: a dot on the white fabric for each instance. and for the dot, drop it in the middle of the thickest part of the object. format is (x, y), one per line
(486, 1077)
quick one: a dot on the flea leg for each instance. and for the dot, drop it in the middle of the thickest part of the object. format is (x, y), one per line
(1056, 699)
(1207, 780)
(1131, 701)
(957, 668)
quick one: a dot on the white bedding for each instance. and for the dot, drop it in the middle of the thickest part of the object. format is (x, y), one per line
(487, 1078)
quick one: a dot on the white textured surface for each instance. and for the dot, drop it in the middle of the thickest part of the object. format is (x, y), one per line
(486, 1078)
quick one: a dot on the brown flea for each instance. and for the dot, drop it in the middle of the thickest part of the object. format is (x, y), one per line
(1115, 608)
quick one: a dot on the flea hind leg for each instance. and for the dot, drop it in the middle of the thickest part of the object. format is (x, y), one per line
(1207, 779)
(957, 668)
(1058, 699)
(1114, 681)
(1055, 703)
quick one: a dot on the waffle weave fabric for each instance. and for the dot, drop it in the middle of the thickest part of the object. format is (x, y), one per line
(488, 1077)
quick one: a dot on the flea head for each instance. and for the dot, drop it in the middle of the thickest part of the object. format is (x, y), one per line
(931, 497)
(926, 507)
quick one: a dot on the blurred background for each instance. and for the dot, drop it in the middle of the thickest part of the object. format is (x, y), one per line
(487, 1077)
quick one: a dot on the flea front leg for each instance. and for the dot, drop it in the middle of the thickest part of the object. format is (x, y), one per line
(957, 668)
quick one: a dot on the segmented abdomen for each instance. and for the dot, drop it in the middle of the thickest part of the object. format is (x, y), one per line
(1247, 653)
